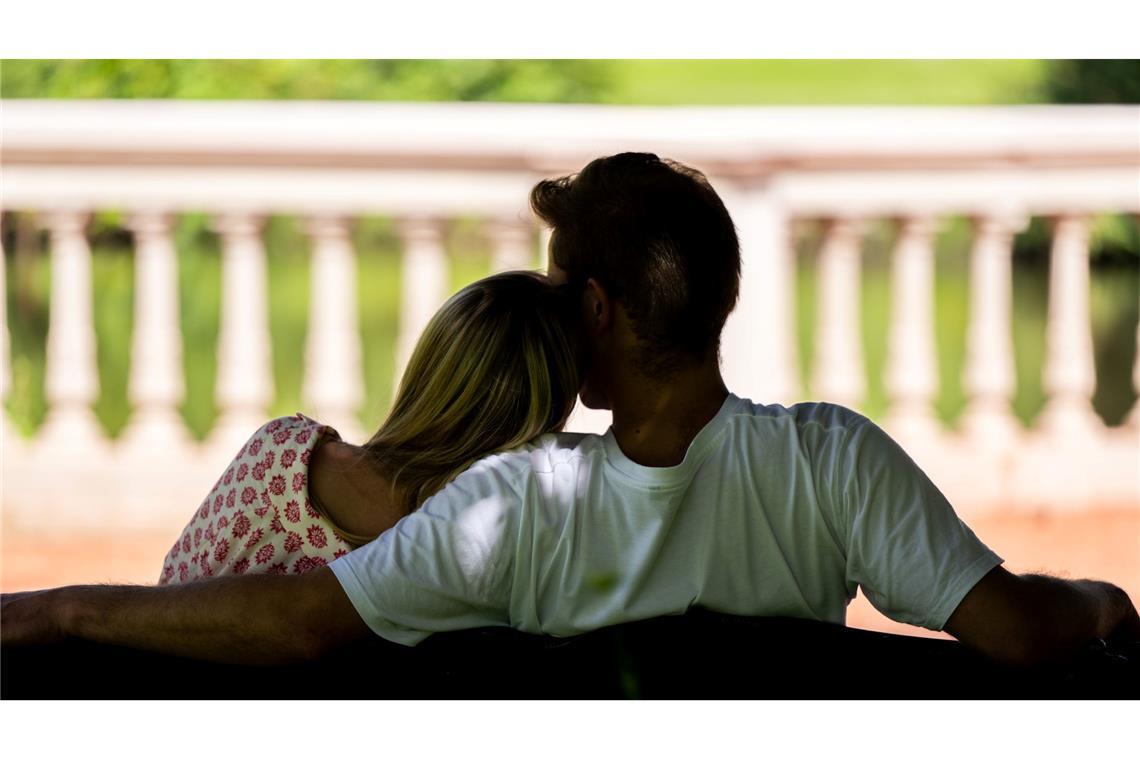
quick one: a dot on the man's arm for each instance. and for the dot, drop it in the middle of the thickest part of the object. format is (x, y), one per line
(255, 619)
(1032, 619)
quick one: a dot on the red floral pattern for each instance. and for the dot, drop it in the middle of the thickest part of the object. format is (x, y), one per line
(241, 525)
(306, 563)
(317, 536)
(250, 536)
(254, 538)
(277, 485)
(292, 542)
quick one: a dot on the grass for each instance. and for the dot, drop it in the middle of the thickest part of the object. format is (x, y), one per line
(1113, 299)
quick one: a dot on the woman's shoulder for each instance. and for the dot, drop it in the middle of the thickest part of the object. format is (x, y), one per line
(298, 428)
(352, 492)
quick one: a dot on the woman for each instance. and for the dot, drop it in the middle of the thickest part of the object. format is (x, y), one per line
(494, 368)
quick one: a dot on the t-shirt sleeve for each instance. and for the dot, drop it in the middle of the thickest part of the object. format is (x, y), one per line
(906, 548)
(444, 567)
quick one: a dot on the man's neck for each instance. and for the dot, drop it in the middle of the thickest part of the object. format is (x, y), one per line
(655, 421)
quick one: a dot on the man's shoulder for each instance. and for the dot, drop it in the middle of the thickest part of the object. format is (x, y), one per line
(815, 415)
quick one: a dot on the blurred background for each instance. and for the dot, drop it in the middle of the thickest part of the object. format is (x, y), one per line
(989, 319)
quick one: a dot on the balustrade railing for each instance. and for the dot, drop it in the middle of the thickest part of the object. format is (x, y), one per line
(425, 164)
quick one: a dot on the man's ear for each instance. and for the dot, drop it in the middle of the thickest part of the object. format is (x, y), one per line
(598, 307)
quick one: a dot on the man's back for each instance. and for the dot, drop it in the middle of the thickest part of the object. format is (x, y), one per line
(773, 511)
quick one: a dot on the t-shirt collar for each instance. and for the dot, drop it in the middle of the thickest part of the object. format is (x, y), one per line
(678, 474)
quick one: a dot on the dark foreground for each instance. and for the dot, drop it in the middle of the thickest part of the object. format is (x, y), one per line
(695, 656)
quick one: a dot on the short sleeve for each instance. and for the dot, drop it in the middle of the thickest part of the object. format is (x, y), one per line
(446, 566)
(906, 548)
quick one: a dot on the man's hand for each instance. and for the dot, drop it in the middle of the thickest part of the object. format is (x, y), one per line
(1128, 628)
(29, 617)
(256, 619)
(1032, 619)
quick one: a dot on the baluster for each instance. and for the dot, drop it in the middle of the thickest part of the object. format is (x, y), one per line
(543, 247)
(156, 384)
(10, 440)
(72, 382)
(424, 283)
(334, 382)
(838, 376)
(245, 378)
(758, 351)
(1134, 415)
(1070, 375)
(988, 375)
(1133, 420)
(911, 374)
(511, 245)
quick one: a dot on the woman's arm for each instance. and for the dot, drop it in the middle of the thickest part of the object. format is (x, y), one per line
(254, 619)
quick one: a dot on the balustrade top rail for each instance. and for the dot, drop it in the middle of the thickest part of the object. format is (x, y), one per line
(417, 158)
(736, 140)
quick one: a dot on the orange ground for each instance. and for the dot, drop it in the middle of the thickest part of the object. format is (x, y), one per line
(1099, 544)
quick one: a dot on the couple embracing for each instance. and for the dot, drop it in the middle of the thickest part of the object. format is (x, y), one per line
(470, 507)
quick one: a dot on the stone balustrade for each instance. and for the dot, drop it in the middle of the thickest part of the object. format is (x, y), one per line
(424, 164)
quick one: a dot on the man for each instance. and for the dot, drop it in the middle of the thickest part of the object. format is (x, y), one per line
(694, 497)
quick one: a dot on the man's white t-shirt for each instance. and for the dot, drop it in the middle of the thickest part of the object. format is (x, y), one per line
(774, 512)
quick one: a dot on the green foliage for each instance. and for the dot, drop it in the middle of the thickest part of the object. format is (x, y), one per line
(403, 79)
(825, 82)
(1093, 81)
(650, 81)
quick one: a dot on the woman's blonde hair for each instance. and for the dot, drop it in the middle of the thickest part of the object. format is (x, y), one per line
(495, 367)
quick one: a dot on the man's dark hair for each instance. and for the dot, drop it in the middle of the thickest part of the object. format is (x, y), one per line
(657, 237)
